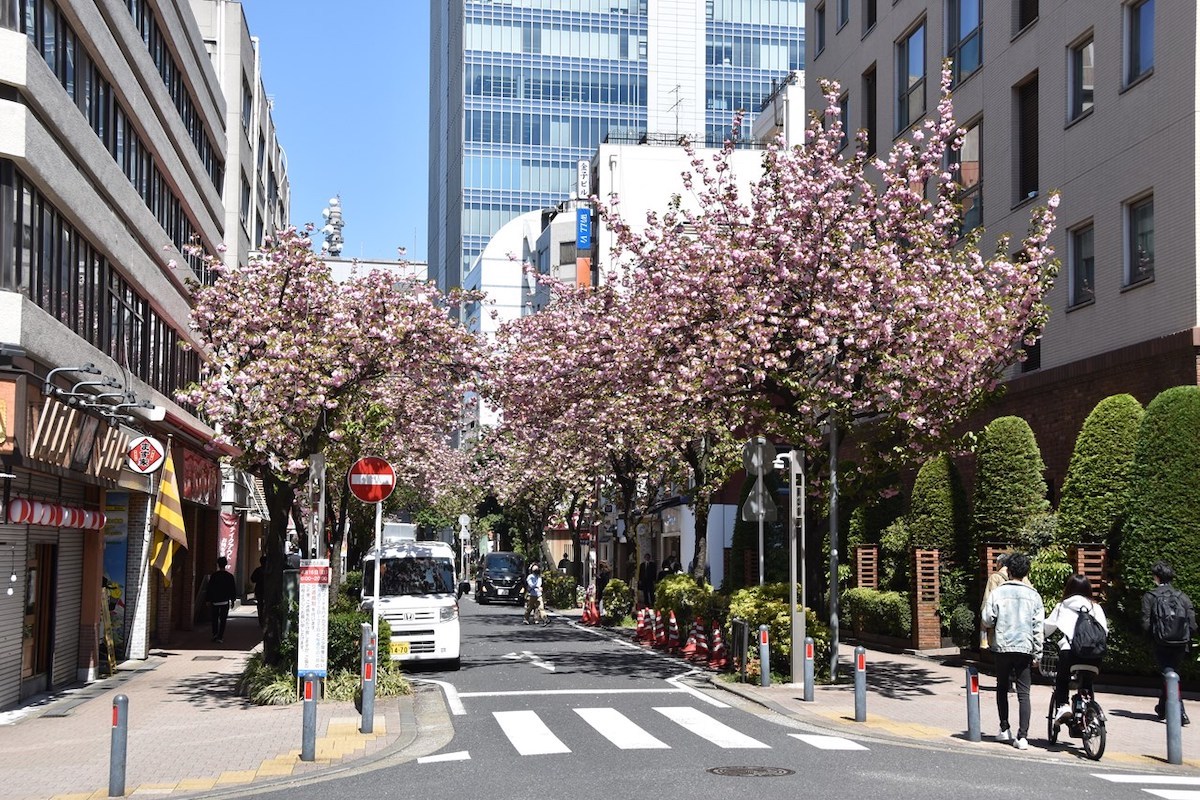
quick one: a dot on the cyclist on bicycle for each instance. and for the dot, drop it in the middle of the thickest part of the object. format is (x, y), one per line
(1077, 596)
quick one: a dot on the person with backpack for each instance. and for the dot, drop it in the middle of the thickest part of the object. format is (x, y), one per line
(1170, 619)
(1084, 638)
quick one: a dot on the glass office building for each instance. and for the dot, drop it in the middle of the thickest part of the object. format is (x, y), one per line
(522, 89)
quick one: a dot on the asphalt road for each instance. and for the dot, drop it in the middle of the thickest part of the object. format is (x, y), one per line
(566, 712)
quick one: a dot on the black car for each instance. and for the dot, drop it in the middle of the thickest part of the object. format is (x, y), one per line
(501, 576)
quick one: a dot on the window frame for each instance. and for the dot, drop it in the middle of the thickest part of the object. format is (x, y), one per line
(819, 21)
(956, 42)
(1078, 296)
(975, 190)
(1076, 109)
(1027, 180)
(903, 95)
(1133, 26)
(1141, 275)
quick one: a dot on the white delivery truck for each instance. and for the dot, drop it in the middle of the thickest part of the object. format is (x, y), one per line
(417, 588)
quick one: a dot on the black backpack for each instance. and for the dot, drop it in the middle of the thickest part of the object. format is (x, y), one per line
(1169, 619)
(1090, 641)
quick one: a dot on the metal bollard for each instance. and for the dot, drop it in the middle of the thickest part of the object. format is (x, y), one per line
(860, 684)
(1174, 718)
(308, 741)
(974, 734)
(368, 680)
(764, 656)
(808, 669)
(118, 749)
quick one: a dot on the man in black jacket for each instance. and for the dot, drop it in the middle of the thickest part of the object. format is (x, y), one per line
(1168, 654)
(220, 594)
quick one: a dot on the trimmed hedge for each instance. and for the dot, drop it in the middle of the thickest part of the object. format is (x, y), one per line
(558, 589)
(688, 599)
(618, 602)
(881, 613)
(1010, 489)
(1164, 515)
(1095, 493)
(938, 516)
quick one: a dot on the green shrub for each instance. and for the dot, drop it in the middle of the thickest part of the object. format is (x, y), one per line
(1095, 493)
(881, 613)
(938, 517)
(688, 599)
(558, 589)
(345, 639)
(952, 593)
(961, 625)
(894, 557)
(1164, 515)
(770, 605)
(1010, 489)
(618, 602)
(870, 519)
(1048, 572)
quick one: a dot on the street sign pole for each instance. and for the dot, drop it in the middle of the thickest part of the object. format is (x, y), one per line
(371, 480)
(762, 570)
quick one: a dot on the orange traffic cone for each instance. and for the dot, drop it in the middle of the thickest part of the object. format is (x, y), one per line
(673, 634)
(689, 647)
(718, 659)
(586, 619)
(642, 633)
(701, 654)
(660, 630)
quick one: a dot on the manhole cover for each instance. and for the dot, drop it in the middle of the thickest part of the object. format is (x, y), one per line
(207, 658)
(752, 772)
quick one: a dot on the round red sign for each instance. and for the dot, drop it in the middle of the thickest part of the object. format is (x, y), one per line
(371, 479)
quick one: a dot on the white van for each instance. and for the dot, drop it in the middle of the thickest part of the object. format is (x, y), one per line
(417, 588)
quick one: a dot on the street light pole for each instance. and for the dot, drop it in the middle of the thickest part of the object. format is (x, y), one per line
(833, 551)
(799, 623)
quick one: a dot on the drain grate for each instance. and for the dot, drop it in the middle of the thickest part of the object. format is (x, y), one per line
(207, 658)
(752, 772)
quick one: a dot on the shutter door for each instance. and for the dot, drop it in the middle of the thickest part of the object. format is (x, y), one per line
(12, 612)
(67, 609)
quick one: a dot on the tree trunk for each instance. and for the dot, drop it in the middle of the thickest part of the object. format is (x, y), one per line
(280, 498)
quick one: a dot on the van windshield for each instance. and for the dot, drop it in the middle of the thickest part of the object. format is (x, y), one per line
(409, 576)
(503, 562)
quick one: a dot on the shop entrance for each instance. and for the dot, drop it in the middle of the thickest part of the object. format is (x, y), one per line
(37, 632)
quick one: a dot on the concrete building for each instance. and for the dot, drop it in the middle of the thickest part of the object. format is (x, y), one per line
(114, 158)
(522, 90)
(1096, 100)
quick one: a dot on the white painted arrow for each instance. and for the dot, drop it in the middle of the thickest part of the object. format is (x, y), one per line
(533, 659)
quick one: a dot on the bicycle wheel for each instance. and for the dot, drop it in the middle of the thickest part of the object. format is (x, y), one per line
(1051, 725)
(1094, 734)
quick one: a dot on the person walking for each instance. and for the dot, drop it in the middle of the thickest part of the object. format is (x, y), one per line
(1015, 611)
(999, 575)
(564, 564)
(220, 594)
(603, 576)
(1170, 619)
(259, 578)
(533, 596)
(1077, 600)
(645, 581)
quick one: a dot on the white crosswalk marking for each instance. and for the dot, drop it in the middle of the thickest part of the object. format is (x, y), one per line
(619, 729)
(1175, 794)
(1159, 780)
(708, 728)
(528, 733)
(827, 742)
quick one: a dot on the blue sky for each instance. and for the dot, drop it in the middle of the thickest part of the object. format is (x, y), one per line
(351, 87)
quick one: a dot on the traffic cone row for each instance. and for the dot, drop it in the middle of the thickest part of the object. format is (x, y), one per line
(701, 654)
(643, 632)
(660, 630)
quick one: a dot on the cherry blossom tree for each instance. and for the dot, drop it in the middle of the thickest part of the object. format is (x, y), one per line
(839, 289)
(294, 358)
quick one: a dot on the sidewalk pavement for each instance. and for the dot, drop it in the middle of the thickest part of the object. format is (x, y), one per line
(189, 732)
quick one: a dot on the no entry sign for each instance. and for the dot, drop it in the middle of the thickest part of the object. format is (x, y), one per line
(371, 479)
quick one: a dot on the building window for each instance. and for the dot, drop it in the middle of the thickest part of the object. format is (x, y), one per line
(1140, 43)
(1082, 280)
(1140, 254)
(843, 13)
(964, 36)
(870, 15)
(1027, 139)
(819, 28)
(844, 119)
(247, 105)
(968, 165)
(1081, 78)
(910, 69)
(869, 86)
(245, 203)
(1027, 13)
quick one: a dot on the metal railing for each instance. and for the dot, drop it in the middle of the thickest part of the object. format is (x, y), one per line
(739, 642)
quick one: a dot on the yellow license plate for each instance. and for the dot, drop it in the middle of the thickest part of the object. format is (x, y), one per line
(399, 648)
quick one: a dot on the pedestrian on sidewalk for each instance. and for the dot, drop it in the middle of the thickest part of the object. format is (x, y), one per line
(259, 578)
(533, 596)
(999, 575)
(603, 576)
(1077, 600)
(220, 594)
(1170, 619)
(1016, 614)
(645, 581)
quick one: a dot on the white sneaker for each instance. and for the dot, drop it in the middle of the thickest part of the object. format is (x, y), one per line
(1064, 714)
(1021, 744)
(1004, 736)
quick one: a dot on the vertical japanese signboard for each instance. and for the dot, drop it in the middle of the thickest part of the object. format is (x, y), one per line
(313, 646)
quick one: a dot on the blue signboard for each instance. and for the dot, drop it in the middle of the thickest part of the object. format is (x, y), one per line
(583, 229)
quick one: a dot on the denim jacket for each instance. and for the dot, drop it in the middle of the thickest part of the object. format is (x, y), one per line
(1014, 609)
